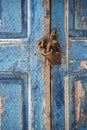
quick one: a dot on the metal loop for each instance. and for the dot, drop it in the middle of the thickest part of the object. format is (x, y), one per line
(42, 53)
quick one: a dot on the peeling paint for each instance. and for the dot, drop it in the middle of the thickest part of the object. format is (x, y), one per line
(79, 93)
(1, 104)
(83, 64)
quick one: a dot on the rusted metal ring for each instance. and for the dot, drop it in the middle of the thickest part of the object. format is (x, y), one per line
(42, 53)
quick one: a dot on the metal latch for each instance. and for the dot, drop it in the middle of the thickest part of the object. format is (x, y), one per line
(50, 48)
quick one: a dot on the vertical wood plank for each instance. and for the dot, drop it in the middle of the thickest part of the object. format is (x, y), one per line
(47, 67)
(58, 71)
(36, 66)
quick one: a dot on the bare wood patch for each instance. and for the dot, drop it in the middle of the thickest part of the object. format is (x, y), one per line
(79, 93)
(66, 89)
(47, 75)
(83, 64)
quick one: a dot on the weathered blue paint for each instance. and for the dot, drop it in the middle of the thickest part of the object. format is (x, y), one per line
(36, 67)
(80, 14)
(78, 53)
(19, 58)
(77, 18)
(57, 74)
(11, 15)
(74, 77)
(14, 65)
(20, 63)
(75, 51)
(13, 87)
(57, 98)
(14, 57)
(13, 19)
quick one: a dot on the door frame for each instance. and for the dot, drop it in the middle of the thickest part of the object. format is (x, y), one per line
(47, 68)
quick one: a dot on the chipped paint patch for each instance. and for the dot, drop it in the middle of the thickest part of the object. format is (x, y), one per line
(83, 64)
(2, 99)
(79, 93)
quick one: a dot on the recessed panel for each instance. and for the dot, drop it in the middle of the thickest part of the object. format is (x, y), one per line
(81, 103)
(78, 18)
(80, 14)
(13, 104)
(13, 19)
(10, 16)
(78, 104)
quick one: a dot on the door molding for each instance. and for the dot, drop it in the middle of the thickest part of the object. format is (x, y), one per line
(66, 86)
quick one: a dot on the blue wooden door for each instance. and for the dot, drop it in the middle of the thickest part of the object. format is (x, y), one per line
(69, 80)
(31, 98)
(13, 65)
(22, 89)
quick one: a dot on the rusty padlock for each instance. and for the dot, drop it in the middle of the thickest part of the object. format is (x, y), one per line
(51, 49)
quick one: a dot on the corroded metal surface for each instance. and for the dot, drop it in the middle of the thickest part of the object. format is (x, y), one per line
(51, 49)
(53, 46)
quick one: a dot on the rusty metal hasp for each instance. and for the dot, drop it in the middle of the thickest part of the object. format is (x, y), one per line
(50, 48)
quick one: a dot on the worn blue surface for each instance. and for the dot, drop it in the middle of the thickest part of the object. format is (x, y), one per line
(18, 60)
(57, 98)
(13, 19)
(12, 118)
(80, 14)
(78, 53)
(13, 57)
(57, 74)
(13, 87)
(36, 67)
(10, 15)
(74, 77)
(14, 66)
(77, 18)
(22, 57)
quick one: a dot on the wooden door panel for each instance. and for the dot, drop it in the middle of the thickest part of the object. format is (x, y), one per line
(77, 18)
(80, 14)
(57, 99)
(77, 64)
(78, 55)
(13, 65)
(10, 15)
(13, 102)
(21, 24)
(78, 104)
(78, 51)
(13, 19)
(80, 97)
(57, 72)
(69, 18)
